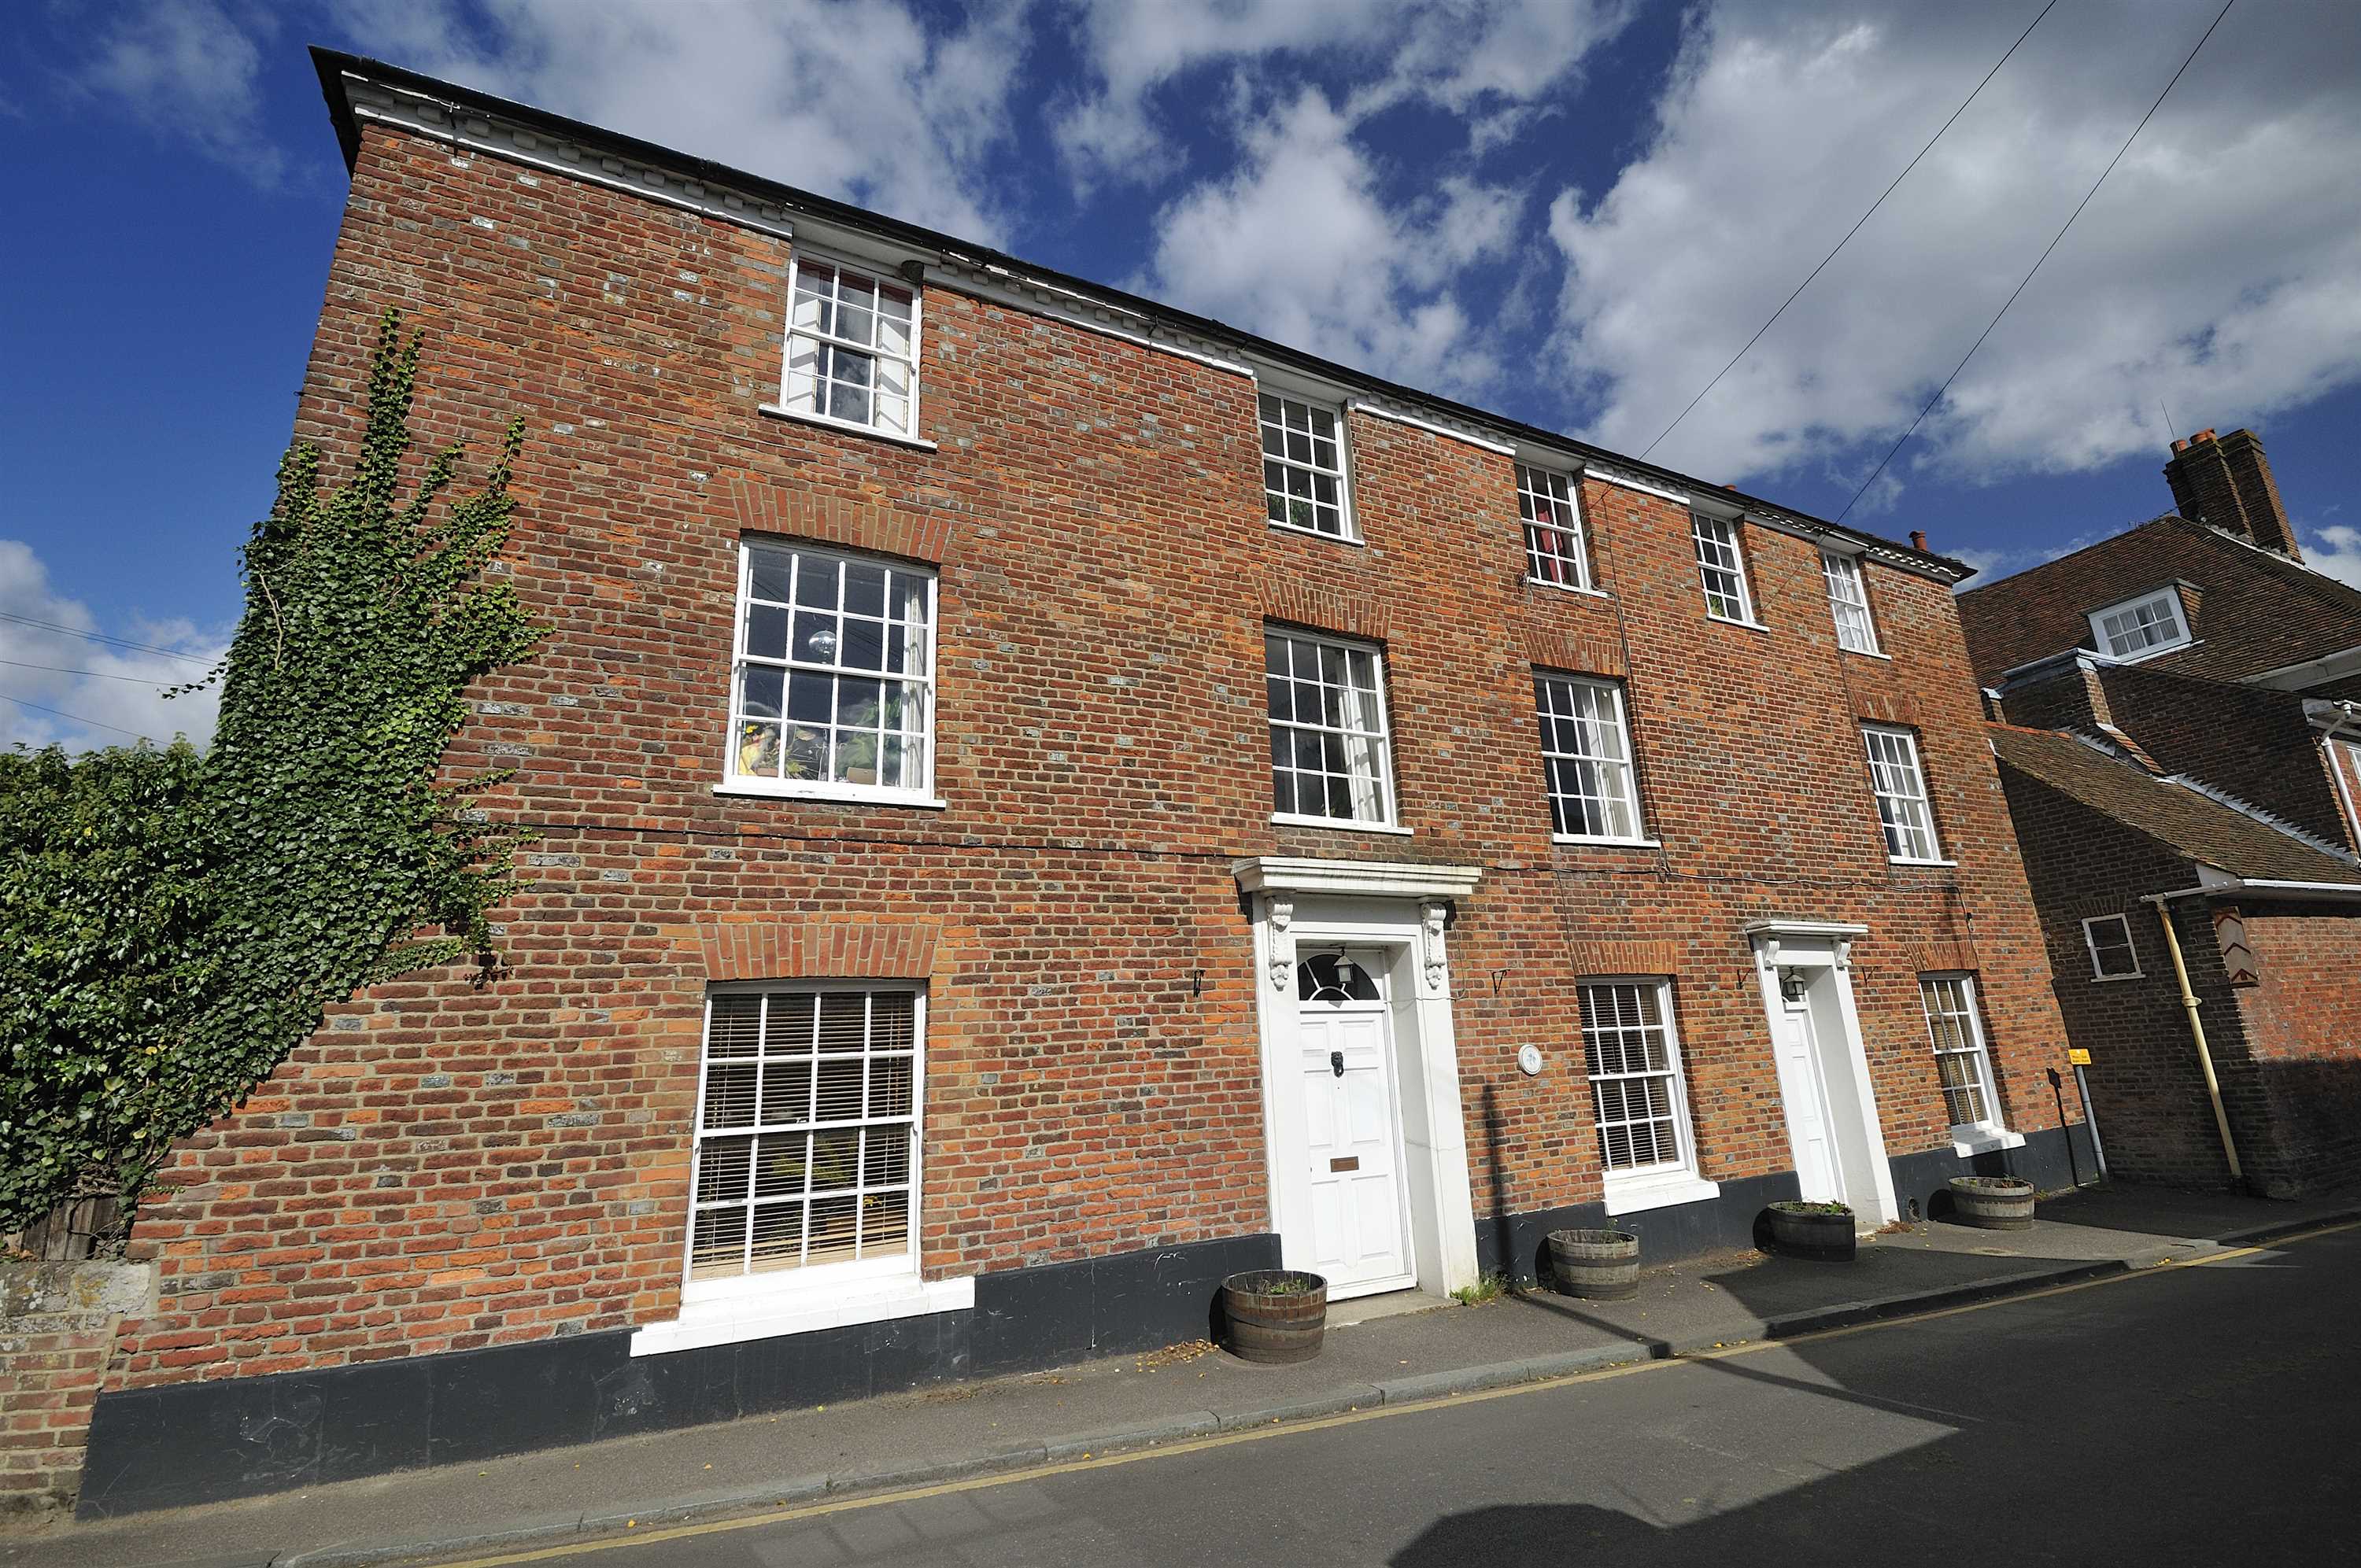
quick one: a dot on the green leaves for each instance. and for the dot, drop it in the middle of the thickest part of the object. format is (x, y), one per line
(173, 926)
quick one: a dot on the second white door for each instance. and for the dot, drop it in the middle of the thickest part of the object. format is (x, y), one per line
(1806, 1097)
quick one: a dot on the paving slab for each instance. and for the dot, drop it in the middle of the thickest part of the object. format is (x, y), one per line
(1428, 1352)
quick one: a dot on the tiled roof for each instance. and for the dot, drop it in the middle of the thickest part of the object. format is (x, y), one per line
(2255, 610)
(2195, 824)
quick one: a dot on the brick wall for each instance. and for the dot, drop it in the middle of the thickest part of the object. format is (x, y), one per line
(58, 1322)
(448, 1167)
(2302, 1058)
(2145, 1083)
(2251, 742)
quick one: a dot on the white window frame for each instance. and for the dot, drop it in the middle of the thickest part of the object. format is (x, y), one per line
(807, 1279)
(920, 686)
(1710, 535)
(1382, 736)
(2167, 598)
(1618, 775)
(1978, 1049)
(1348, 528)
(2091, 942)
(1899, 834)
(1848, 602)
(1665, 1182)
(2344, 763)
(878, 279)
(1537, 486)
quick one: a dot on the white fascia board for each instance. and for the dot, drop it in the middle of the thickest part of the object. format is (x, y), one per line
(429, 119)
(1003, 287)
(1368, 879)
(1378, 411)
(2216, 884)
(1610, 476)
(2327, 667)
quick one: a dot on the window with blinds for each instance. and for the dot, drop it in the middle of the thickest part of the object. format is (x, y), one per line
(806, 1130)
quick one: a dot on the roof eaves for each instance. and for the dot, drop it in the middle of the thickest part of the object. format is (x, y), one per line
(333, 65)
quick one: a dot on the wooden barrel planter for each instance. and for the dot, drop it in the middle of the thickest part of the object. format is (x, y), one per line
(1993, 1202)
(1820, 1232)
(1596, 1266)
(1273, 1316)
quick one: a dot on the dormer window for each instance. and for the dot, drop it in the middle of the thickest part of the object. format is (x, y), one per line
(2142, 628)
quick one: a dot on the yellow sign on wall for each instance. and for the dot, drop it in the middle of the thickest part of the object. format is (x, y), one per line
(2078, 1057)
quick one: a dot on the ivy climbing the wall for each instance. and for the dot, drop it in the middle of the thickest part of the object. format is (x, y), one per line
(174, 925)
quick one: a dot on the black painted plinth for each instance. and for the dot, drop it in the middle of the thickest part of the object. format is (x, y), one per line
(199, 1442)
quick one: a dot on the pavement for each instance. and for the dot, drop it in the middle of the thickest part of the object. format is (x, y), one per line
(1178, 1397)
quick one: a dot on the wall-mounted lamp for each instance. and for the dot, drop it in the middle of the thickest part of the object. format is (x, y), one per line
(1792, 986)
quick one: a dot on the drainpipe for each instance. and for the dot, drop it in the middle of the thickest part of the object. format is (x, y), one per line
(2197, 1033)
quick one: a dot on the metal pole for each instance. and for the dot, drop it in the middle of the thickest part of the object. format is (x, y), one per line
(2197, 1032)
(2091, 1120)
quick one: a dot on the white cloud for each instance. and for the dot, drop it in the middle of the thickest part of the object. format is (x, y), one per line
(187, 69)
(99, 696)
(861, 102)
(2335, 550)
(2219, 268)
(1461, 55)
(1298, 244)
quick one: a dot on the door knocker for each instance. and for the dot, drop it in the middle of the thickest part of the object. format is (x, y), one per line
(1337, 1063)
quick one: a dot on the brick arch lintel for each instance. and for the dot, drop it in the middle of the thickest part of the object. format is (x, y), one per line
(818, 950)
(831, 520)
(1324, 610)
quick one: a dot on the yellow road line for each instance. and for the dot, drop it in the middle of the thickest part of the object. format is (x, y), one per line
(1348, 1417)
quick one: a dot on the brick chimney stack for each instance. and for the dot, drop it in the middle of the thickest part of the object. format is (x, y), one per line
(2226, 481)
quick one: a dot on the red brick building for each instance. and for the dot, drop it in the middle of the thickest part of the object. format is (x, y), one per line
(1044, 800)
(2182, 775)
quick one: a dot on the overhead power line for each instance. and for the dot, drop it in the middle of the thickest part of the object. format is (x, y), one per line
(1831, 255)
(96, 674)
(102, 637)
(2060, 234)
(74, 718)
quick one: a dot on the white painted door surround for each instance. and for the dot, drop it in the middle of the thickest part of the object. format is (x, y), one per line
(1391, 918)
(1834, 1136)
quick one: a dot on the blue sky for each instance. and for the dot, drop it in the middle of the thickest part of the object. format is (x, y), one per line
(1571, 211)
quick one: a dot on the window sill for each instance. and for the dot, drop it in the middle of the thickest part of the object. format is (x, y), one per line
(1291, 819)
(802, 1307)
(1907, 860)
(914, 443)
(1658, 1192)
(1867, 653)
(2110, 979)
(857, 794)
(1966, 1141)
(1315, 533)
(1608, 843)
(1533, 582)
(1732, 620)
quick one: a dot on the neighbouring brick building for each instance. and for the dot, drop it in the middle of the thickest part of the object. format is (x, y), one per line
(1044, 800)
(2179, 736)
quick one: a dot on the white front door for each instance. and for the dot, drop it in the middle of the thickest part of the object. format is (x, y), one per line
(1357, 1233)
(1805, 1095)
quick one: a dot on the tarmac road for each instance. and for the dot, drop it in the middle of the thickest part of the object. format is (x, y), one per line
(2183, 1415)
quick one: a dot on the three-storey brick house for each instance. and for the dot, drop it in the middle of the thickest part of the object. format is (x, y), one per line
(1044, 800)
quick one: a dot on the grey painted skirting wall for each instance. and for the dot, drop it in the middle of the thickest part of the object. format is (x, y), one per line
(195, 1442)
